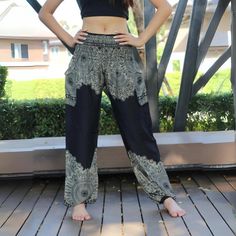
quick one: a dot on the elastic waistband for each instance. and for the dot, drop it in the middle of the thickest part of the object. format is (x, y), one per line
(95, 39)
(90, 33)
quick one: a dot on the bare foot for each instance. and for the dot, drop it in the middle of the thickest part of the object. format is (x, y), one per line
(173, 208)
(80, 213)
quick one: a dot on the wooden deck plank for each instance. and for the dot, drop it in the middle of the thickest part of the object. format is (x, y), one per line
(52, 222)
(205, 208)
(133, 224)
(226, 185)
(231, 179)
(174, 226)
(153, 222)
(33, 222)
(69, 226)
(7, 187)
(14, 200)
(92, 227)
(225, 209)
(20, 214)
(112, 208)
(35, 207)
(193, 220)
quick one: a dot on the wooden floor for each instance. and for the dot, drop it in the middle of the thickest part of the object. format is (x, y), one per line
(35, 207)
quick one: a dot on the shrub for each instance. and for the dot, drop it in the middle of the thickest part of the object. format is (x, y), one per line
(46, 117)
(207, 112)
(43, 118)
(3, 77)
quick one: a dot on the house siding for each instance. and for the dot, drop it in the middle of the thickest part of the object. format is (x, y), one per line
(35, 50)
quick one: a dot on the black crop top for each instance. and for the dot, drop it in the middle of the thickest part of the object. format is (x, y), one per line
(102, 8)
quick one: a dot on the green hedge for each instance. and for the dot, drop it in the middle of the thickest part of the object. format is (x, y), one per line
(3, 77)
(207, 112)
(45, 117)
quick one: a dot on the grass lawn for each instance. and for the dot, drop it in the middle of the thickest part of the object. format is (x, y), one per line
(219, 83)
(40, 88)
(55, 88)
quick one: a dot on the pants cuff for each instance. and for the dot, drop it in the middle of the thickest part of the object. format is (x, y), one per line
(152, 177)
(81, 184)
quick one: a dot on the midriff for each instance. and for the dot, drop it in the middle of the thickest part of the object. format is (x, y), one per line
(105, 24)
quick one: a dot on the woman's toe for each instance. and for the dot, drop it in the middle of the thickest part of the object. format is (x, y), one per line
(87, 217)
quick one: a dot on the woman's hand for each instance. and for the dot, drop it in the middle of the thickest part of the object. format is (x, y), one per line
(79, 37)
(129, 39)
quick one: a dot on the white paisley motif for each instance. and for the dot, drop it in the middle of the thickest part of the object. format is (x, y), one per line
(112, 67)
(152, 176)
(81, 184)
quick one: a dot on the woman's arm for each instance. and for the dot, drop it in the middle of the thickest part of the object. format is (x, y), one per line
(46, 16)
(164, 10)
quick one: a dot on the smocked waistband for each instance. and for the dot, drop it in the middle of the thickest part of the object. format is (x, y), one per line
(95, 39)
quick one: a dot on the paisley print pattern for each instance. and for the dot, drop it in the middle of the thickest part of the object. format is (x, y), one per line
(152, 176)
(101, 63)
(81, 184)
(106, 66)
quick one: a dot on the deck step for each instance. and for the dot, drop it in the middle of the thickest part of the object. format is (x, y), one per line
(179, 150)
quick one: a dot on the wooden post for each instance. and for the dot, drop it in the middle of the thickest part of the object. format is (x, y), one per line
(151, 68)
(206, 41)
(176, 22)
(188, 75)
(203, 80)
(233, 54)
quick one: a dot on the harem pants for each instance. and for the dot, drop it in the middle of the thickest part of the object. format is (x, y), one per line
(102, 64)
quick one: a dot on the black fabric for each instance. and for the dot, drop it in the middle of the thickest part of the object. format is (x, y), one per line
(82, 120)
(135, 126)
(133, 120)
(164, 198)
(82, 125)
(102, 8)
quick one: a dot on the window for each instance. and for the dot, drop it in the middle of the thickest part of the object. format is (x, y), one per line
(19, 50)
(45, 47)
(55, 51)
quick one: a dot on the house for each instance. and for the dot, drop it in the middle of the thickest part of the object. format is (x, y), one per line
(27, 47)
(31, 51)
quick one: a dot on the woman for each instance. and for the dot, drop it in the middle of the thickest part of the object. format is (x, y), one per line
(103, 59)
